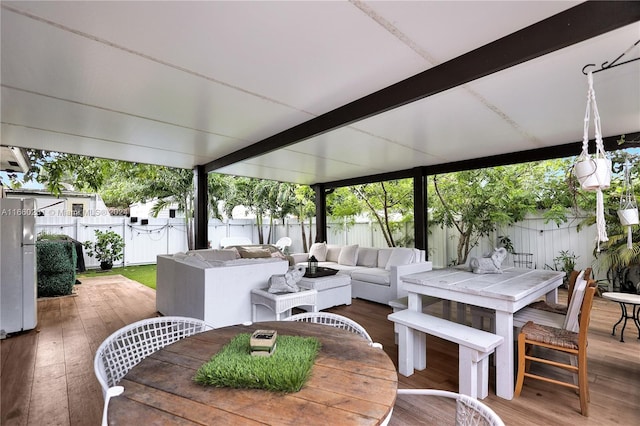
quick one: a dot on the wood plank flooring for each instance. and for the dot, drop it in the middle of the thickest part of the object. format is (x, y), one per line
(47, 374)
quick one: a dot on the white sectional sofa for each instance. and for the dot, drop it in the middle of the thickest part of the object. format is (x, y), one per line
(375, 272)
(213, 285)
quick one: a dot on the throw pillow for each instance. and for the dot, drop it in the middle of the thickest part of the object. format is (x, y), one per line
(348, 255)
(367, 257)
(319, 250)
(254, 253)
(333, 253)
(399, 256)
(383, 257)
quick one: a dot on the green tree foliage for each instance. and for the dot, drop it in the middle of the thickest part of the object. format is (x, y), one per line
(305, 210)
(57, 170)
(262, 198)
(388, 203)
(614, 256)
(476, 202)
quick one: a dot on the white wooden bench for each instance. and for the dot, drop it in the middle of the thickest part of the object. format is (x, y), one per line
(403, 303)
(474, 345)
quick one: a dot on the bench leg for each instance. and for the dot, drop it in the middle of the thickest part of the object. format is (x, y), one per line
(473, 374)
(467, 372)
(254, 312)
(483, 377)
(405, 350)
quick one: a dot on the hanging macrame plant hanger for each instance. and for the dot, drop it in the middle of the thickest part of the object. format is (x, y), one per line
(594, 171)
(628, 212)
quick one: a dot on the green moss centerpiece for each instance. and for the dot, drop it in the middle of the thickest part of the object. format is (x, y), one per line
(286, 370)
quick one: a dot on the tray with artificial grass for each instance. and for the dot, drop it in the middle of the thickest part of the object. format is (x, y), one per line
(286, 370)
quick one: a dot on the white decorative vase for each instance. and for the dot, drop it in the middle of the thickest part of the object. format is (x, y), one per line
(594, 173)
(628, 217)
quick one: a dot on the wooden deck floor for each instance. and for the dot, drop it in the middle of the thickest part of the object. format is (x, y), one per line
(47, 374)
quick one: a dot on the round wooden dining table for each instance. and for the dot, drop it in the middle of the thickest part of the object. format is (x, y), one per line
(351, 383)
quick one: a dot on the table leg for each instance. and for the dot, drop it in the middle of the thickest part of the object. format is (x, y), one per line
(504, 356)
(446, 309)
(552, 296)
(636, 317)
(623, 316)
(461, 309)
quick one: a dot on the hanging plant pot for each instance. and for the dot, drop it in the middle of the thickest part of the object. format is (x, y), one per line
(628, 217)
(593, 173)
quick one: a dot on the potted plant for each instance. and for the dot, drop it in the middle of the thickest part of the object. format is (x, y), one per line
(566, 262)
(108, 248)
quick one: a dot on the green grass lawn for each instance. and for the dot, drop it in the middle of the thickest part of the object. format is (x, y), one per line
(144, 274)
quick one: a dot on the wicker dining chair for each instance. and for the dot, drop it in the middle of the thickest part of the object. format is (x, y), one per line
(126, 347)
(469, 411)
(334, 320)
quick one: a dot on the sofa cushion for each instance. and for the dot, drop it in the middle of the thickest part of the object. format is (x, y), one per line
(319, 250)
(383, 257)
(333, 253)
(367, 257)
(400, 256)
(348, 255)
(372, 275)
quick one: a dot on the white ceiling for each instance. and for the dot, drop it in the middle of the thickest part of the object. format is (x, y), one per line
(185, 83)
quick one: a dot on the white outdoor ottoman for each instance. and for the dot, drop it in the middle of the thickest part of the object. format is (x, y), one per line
(333, 290)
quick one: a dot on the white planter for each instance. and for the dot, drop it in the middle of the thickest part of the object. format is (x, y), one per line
(594, 173)
(628, 217)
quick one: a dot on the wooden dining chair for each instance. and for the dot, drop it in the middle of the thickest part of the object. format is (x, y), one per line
(334, 320)
(126, 347)
(566, 341)
(554, 319)
(558, 307)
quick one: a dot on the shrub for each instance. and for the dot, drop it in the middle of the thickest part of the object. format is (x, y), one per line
(56, 262)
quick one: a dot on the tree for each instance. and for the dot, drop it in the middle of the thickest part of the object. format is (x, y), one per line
(476, 202)
(385, 201)
(305, 209)
(57, 170)
(262, 198)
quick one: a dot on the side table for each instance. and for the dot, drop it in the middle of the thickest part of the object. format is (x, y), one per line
(281, 302)
(625, 299)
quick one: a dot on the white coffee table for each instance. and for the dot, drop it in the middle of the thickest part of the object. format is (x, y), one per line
(623, 300)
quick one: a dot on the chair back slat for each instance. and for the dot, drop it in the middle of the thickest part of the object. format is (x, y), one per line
(126, 347)
(571, 319)
(333, 320)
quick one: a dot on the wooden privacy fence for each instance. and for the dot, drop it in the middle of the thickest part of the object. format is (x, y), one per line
(144, 241)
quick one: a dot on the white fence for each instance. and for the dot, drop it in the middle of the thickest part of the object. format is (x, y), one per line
(166, 236)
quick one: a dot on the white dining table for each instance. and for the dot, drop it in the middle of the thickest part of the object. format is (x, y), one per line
(505, 293)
